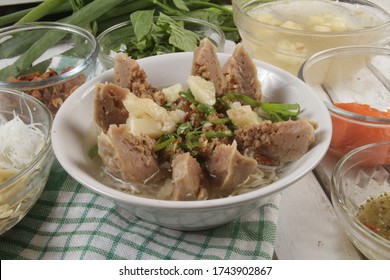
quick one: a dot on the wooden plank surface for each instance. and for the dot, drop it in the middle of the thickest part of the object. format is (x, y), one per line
(308, 227)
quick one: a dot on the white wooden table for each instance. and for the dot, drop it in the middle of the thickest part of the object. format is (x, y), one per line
(308, 227)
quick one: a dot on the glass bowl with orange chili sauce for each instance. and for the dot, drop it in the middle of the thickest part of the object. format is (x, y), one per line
(354, 83)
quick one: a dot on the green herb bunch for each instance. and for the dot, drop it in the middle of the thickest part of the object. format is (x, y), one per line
(163, 36)
(98, 15)
(154, 35)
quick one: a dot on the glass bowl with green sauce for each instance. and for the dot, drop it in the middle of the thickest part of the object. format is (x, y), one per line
(360, 190)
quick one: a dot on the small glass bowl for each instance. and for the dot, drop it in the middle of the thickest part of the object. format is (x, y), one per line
(19, 191)
(115, 38)
(285, 32)
(47, 60)
(363, 173)
(352, 75)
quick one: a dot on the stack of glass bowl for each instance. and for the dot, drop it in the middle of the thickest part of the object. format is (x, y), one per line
(41, 65)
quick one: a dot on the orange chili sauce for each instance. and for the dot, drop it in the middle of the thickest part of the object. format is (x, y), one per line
(363, 109)
(349, 134)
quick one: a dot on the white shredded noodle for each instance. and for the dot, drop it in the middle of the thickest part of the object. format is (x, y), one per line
(19, 143)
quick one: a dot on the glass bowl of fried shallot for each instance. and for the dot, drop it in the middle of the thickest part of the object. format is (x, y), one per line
(47, 60)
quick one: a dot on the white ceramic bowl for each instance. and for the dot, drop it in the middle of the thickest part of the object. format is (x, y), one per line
(74, 122)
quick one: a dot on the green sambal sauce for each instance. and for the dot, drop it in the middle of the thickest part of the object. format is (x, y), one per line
(375, 214)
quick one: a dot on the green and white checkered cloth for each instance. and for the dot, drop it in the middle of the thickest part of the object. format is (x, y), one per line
(70, 222)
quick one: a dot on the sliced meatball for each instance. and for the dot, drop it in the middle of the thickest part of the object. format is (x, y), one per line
(276, 143)
(228, 167)
(108, 103)
(205, 64)
(240, 75)
(187, 178)
(129, 74)
(128, 157)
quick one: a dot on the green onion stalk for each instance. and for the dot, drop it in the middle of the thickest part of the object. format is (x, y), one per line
(96, 16)
(81, 17)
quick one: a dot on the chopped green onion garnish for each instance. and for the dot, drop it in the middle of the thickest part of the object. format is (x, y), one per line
(164, 141)
(241, 97)
(93, 151)
(281, 111)
(218, 134)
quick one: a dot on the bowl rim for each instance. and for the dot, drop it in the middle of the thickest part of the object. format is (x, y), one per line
(107, 31)
(345, 51)
(239, 9)
(339, 202)
(62, 77)
(226, 202)
(47, 146)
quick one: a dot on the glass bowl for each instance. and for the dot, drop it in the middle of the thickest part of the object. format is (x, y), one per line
(22, 178)
(115, 38)
(354, 84)
(47, 60)
(286, 32)
(360, 175)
